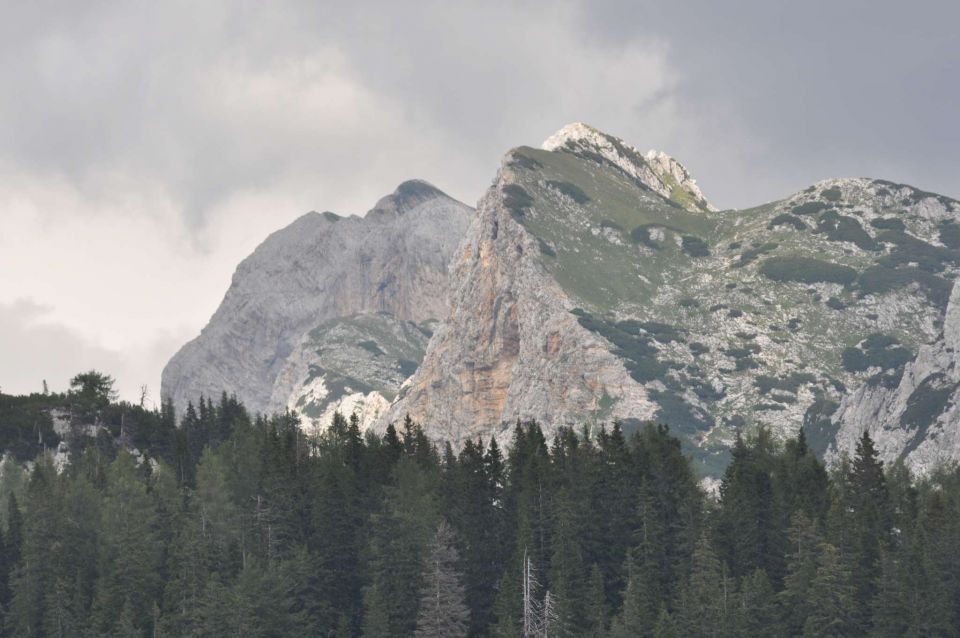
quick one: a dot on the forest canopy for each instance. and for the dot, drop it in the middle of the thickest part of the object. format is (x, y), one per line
(228, 525)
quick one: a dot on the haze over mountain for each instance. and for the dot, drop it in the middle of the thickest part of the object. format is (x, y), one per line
(596, 282)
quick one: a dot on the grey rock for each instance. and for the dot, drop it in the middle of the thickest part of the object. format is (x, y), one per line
(587, 291)
(394, 260)
(918, 420)
(597, 283)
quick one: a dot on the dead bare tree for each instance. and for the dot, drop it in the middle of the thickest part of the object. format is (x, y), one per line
(443, 608)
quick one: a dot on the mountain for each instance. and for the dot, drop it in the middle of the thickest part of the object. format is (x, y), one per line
(594, 283)
(914, 417)
(330, 311)
(597, 283)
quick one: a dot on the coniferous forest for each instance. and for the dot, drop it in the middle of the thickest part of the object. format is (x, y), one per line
(228, 525)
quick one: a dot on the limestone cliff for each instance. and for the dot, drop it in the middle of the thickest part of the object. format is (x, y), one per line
(322, 267)
(597, 283)
(917, 419)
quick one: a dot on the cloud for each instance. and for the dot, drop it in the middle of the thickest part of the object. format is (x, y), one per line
(782, 94)
(148, 148)
(37, 351)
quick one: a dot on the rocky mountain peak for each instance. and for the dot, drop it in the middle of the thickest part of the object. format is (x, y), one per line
(325, 284)
(656, 170)
(408, 196)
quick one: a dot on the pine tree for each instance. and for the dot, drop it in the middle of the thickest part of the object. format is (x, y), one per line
(567, 576)
(399, 544)
(831, 598)
(443, 609)
(704, 603)
(596, 609)
(758, 611)
(869, 502)
(636, 615)
(130, 556)
(804, 551)
(666, 627)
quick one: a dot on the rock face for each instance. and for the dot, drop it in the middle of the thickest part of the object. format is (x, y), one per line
(918, 419)
(315, 290)
(597, 283)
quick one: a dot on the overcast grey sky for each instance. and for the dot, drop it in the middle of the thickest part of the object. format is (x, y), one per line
(145, 148)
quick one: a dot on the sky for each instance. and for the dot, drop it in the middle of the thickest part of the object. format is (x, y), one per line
(147, 147)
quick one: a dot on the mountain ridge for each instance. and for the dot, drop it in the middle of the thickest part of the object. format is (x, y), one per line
(596, 283)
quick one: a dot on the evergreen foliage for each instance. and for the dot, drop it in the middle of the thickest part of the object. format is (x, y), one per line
(230, 525)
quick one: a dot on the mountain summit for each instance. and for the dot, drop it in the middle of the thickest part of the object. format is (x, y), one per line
(655, 169)
(296, 326)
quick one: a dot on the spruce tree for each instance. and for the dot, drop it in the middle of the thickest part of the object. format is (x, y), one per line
(832, 596)
(130, 555)
(567, 576)
(759, 613)
(704, 604)
(869, 504)
(126, 626)
(189, 570)
(34, 575)
(666, 626)
(637, 614)
(376, 616)
(747, 529)
(399, 543)
(615, 510)
(11, 542)
(596, 609)
(803, 556)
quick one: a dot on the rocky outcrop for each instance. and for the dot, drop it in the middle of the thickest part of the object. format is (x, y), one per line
(511, 347)
(354, 365)
(918, 419)
(654, 169)
(392, 261)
